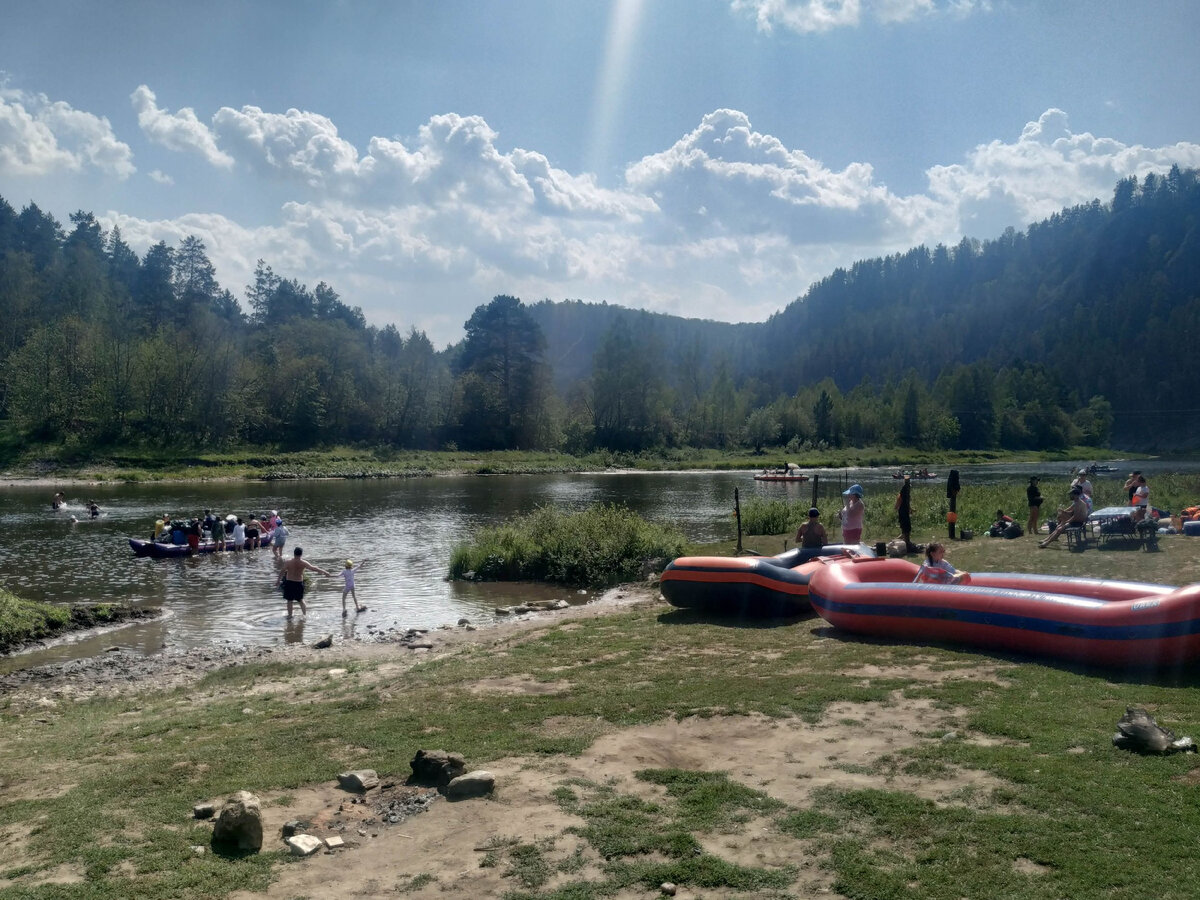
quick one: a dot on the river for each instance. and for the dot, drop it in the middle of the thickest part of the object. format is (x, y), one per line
(402, 530)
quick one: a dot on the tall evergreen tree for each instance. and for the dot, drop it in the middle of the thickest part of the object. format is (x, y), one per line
(502, 377)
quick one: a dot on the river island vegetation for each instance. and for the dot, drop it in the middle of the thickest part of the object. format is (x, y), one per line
(600, 546)
(1076, 331)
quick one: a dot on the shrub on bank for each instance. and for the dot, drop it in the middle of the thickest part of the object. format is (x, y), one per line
(600, 546)
(771, 516)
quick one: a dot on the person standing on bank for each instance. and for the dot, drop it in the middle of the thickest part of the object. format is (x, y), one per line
(852, 513)
(904, 514)
(1034, 495)
(293, 580)
(1130, 486)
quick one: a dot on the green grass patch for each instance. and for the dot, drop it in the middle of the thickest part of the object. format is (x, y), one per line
(24, 621)
(105, 787)
(600, 546)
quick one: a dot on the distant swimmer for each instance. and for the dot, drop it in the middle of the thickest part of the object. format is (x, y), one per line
(59, 501)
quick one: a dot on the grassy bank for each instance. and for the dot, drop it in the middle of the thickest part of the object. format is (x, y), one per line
(147, 464)
(976, 506)
(1060, 813)
(25, 621)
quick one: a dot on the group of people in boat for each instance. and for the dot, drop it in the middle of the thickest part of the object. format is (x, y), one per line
(236, 533)
(229, 533)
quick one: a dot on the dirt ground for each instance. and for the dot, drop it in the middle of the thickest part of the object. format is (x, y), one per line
(439, 852)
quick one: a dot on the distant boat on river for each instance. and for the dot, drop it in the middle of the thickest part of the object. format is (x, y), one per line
(786, 472)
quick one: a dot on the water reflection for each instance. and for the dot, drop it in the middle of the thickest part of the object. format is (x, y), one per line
(404, 529)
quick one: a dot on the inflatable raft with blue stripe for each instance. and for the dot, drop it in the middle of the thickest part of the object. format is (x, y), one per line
(1089, 620)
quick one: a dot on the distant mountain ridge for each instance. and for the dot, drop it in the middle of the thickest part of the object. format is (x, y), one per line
(1104, 296)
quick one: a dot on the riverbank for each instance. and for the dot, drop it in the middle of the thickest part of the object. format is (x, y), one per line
(632, 744)
(54, 466)
(24, 623)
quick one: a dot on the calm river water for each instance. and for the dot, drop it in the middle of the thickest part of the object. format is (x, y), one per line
(403, 529)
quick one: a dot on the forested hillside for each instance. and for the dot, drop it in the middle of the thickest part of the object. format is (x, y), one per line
(1077, 329)
(1089, 312)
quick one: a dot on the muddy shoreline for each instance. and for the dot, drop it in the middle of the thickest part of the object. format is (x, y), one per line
(122, 672)
(84, 617)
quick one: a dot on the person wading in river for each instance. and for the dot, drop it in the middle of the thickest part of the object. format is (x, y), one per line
(293, 580)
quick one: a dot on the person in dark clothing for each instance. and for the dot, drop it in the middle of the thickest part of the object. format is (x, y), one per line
(904, 514)
(1034, 494)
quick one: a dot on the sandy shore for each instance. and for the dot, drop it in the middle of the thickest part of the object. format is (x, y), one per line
(121, 671)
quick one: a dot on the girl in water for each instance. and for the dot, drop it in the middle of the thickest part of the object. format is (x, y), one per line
(348, 577)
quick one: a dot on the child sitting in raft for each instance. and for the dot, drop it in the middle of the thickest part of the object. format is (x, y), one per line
(935, 569)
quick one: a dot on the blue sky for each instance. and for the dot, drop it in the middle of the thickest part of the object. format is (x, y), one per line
(707, 158)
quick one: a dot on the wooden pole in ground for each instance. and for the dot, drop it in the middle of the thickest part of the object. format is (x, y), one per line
(737, 514)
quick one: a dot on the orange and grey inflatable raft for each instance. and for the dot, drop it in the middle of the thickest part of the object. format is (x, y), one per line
(748, 585)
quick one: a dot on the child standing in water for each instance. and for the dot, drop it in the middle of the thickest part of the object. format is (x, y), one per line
(348, 576)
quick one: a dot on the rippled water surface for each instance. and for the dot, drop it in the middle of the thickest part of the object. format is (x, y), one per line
(402, 529)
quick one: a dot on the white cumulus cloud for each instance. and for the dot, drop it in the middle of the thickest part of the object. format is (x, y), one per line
(181, 131)
(816, 16)
(1045, 169)
(728, 222)
(41, 137)
(299, 143)
(724, 178)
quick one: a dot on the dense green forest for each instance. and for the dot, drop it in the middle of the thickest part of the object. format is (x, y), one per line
(1073, 331)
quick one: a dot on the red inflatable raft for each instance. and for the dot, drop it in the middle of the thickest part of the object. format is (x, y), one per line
(1089, 620)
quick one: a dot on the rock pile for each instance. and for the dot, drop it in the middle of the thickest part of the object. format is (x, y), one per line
(239, 826)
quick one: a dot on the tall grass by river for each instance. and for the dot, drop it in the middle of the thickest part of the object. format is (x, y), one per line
(977, 506)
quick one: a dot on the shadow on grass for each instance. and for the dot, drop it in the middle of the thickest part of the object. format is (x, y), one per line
(729, 619)
(230, 851)
(1175, 675)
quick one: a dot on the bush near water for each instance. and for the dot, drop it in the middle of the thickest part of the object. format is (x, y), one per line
(600, 546)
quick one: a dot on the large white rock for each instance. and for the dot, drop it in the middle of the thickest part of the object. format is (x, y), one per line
(304, 844)
(473, 784)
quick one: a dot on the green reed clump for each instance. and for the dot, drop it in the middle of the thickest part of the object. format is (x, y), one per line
(771, 516)
(602, 545)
